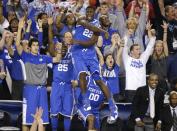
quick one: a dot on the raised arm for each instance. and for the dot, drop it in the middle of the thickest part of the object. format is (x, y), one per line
(119, 52)
(100, 56)
(37, 123)
(51, 47)
(132, 9)
(146, 4)
(19, 33)
(77, 7)
(40, 33)
(8, 45)
(114, 42)
(150, 47)
(100, 41)
(54, 50)
(142, 20)
(28, 29)
(2, 41)
(161, 6)
(29, 22)
(165, 27)
(121, 19)
(148, 28)
(58, 56)
(125, 50)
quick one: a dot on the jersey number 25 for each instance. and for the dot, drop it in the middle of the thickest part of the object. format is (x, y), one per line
(62, 67)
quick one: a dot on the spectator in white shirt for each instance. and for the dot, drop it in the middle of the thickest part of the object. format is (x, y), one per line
(135, 64)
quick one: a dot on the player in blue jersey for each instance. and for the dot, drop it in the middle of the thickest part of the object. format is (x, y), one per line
(68, 24)
(96, 98)
(34, 92)
(105, 24)
(61, 98)
(85, 59)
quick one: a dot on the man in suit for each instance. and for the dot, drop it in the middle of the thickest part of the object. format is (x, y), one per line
(168, 119)
(146, 105)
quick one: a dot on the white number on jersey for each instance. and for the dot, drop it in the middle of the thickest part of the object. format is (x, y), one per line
(87, 33)
(62, 67)
(94, 97)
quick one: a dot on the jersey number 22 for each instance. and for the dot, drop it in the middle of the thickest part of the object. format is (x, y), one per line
(87, 33)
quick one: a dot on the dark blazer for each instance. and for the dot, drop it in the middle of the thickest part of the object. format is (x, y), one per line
(166, 118)
(141, 102)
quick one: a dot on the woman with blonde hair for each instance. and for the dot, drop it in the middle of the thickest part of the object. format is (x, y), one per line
(135, 25)
(160, 56)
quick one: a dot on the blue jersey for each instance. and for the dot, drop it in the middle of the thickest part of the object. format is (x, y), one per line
(35, 59)
(84, 34)
(112, 76)
(94, 94)
(63, 71)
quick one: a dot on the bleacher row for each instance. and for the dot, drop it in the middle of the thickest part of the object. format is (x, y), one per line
(11, 117)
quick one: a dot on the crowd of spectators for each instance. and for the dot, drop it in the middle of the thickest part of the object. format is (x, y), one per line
(133, 40)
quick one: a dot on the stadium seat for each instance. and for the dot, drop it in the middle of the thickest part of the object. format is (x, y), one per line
(5, 118)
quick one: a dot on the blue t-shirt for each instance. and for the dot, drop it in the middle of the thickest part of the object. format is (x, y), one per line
(35, 68)
(35, 59)
(112, 76)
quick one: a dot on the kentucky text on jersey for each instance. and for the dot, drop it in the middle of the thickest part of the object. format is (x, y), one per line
(94, 90)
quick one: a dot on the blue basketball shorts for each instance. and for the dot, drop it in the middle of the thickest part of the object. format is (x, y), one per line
(61, 99)
(82, 63)
(33, 98)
